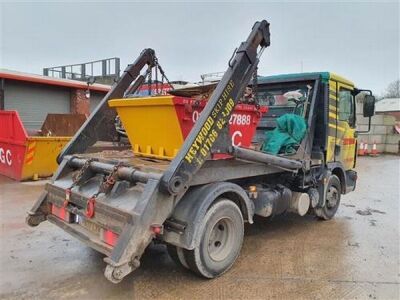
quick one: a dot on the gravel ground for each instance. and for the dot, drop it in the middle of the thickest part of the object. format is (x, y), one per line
(354, 256)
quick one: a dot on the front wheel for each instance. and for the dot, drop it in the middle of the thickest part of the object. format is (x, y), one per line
(332, 199)
(221, 237)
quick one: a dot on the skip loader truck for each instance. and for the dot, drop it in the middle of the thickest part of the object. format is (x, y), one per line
(200, 168)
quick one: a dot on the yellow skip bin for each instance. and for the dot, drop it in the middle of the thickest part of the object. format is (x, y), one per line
(152, 124)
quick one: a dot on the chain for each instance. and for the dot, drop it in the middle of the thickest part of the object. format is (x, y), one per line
(163, 75)
(255, 86)
(82, 171)
(105, 187)
(110, 180)
(76, 180)
(149, 82)
(158, 91)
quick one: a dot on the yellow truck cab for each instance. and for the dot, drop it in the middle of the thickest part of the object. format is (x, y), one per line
(335, 126)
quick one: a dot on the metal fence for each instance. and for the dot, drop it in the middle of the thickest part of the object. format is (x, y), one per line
(99, 70)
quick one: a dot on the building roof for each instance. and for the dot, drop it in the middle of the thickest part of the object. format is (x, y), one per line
(325, 76)
(34, 78)
(388, 105)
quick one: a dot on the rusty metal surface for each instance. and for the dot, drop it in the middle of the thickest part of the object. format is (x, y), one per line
(62, 124)
(127, 157)
(351, 257)
(204, 89)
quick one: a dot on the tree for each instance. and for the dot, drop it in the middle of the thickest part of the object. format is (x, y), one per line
(392, 90)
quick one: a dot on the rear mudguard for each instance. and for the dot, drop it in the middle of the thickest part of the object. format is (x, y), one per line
(182, 228)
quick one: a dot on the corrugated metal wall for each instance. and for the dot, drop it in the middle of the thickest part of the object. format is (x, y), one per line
(34, 101)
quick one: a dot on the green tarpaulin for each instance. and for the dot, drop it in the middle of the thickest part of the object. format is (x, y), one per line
(288, 134)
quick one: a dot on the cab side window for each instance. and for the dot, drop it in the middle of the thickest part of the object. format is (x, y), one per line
(346, 106)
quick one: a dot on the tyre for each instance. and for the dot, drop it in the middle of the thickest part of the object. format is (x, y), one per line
(177, 255)
(220, 240)
(332, 199)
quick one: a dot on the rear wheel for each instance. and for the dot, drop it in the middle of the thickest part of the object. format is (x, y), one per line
(177, 255)
(221, 237)
(332, 199)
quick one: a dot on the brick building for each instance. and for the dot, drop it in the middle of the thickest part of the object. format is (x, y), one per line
(34, 96)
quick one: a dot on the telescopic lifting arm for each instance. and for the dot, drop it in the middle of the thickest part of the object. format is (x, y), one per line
(100, 125)
(209, 133)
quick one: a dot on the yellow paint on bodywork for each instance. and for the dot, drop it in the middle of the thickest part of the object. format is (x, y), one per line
(340, 79)
(343, 130)
(151, 124)
(331, 148)
(332, 108)
(332, 115)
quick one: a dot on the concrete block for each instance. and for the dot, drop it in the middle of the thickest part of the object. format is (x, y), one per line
(362, 127)
(380, 148)
(389, 120)
(377, 138)
(377, 120)
(361, 120)
(359, 108)
(392, 139)
(379, 129)
(362, 137)
(392, 148)
(391, 130)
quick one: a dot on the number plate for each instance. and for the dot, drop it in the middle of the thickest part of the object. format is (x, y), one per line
(93, 227)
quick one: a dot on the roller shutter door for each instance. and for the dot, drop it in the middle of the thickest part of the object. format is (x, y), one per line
(34, 101)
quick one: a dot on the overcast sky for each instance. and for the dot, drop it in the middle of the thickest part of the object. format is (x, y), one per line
(357, 40)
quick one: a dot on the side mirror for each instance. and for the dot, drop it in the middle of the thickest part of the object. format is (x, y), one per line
(369, 106)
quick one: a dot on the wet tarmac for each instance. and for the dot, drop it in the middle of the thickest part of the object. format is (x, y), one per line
(354, 256)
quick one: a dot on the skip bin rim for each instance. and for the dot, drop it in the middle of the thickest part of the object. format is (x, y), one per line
(177, 100)
(147, 101)
(49, 138)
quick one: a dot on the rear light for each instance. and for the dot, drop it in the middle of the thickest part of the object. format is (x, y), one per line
(109, 237)
(252, 189)
(157, 229)
(62, 213)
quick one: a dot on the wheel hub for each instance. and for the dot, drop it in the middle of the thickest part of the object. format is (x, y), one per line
(332, 197)
(220, 240)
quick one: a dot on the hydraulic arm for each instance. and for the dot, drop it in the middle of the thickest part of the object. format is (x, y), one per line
(100, 125)
(210, 133)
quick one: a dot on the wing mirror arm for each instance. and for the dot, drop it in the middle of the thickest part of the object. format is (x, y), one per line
(368, 107)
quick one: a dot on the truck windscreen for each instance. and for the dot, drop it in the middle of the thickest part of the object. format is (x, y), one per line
(285, 98)
(282, 98)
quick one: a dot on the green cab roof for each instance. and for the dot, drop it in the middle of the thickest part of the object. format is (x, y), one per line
(324, 76)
